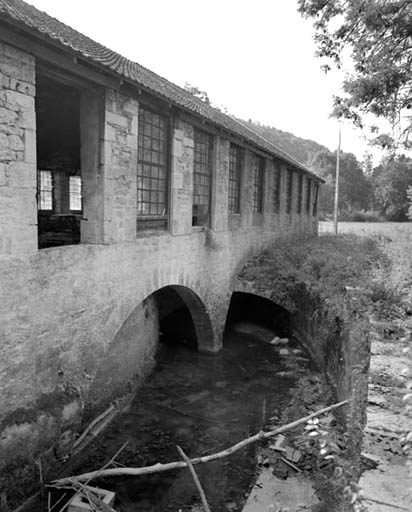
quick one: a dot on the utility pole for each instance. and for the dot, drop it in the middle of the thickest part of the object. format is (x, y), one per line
(336, 204)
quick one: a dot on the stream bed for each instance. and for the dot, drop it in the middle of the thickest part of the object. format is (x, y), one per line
(203, 403)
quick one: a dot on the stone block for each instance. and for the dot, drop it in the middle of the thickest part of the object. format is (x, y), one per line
(117, 120)
(7, 116)
(30, 146)
(20, 99)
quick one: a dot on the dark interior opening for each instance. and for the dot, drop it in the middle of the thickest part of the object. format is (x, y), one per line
(59, 191)
(250, 308)
(175, 321)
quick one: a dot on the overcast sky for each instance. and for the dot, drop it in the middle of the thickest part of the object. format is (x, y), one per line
(254, 57)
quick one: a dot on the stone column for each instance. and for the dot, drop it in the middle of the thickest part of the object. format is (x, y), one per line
(220, 185)
(181, 195)
(120, 167)
(18, 173)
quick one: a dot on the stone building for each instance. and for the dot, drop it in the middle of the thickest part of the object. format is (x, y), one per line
(122, 198)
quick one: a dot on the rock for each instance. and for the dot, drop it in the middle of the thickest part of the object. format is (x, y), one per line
(284, 341)
(231, 505)
(293, 455)
(275, 341)
(284, 352)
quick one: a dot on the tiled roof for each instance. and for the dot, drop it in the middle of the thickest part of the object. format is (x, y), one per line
(34, 21)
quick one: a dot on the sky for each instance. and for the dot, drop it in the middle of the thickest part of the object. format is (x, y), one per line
(256, 58)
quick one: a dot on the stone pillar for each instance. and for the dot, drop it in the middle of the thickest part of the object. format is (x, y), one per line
(181, 196)
(18, 174)
(91, 132)
(220, 185)
(120, 167)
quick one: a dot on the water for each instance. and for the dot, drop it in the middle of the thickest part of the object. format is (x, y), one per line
(204, 404)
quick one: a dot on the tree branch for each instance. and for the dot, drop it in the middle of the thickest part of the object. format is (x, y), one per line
(157, 468)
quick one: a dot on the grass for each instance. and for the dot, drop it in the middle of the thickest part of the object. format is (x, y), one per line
(394, 280)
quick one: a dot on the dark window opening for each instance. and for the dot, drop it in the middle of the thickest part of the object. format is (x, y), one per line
(300, 194)
(235, 173)
(276, 189)
(152, 170)
(202, 178)
(289, 190)
(308, 194)
(258, 178)
(58, 163)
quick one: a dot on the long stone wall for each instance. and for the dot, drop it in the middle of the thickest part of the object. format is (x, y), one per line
(79, 325)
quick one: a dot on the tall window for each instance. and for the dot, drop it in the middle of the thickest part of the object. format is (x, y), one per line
(75, 193)
(202, 178)
(45, 190)
(276, 188)
(315, 202)
(300, 193)
(152, 166)
(258, 177)
(289, 190)
(235, 172)
(308, 194)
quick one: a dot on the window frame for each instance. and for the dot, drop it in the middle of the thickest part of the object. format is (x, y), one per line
(152, 220)
(235, 179)
(258, 184)
(300, 194)
(308, 194)
(315, 201)
(289, 190)
(76, 194)
(276, 187)
(208, 162)
(41, 191)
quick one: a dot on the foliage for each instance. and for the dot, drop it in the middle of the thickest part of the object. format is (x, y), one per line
(391, 180)
(409, 194)
(193, 89)
(377, 33)
(300, 149)
(351, 198)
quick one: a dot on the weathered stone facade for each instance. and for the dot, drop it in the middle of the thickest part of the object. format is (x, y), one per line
(79, 325)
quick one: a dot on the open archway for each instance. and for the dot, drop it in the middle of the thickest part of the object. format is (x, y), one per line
(183, 318)
(248, 311)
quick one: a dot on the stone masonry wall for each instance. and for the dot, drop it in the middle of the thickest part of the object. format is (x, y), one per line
(18, 231)
(79, 327)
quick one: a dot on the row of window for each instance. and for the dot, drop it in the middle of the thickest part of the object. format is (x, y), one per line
(152, 183)
(153, 178)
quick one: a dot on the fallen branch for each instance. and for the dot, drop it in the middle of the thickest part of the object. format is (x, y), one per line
(286, 461)
(93, 428)
(195, 478)
(157, 468)
(385, 503)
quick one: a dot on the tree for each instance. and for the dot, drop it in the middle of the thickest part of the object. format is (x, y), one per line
(355, 188)
(392, 179)
(378, 34)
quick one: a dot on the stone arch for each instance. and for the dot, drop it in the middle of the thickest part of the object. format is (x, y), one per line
(254, 308)
(170, 299)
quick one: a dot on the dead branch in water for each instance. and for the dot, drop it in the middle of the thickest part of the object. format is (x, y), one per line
(195, 478)
(157, 468)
